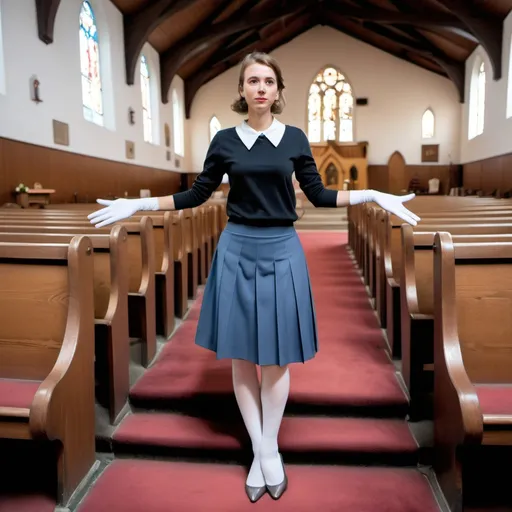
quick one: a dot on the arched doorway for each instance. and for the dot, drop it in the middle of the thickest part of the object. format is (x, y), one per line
(396, 173)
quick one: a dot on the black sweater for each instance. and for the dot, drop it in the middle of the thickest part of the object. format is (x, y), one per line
(261, 189)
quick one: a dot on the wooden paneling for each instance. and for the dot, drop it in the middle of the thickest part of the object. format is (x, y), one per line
(379, 179)
(489, 174)
(72, 173)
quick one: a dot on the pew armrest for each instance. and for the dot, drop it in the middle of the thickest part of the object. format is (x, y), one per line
(457, 410)
(422, 317)
(408, 271)
(119, 276)
(70, 383)
(147, 285)
(455, 376)
(392, 283)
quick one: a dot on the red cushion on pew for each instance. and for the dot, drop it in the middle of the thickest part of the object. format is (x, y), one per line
(495, 399)
(17, 393)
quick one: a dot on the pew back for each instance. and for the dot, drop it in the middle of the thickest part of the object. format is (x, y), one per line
(483, 291)
(34, 287)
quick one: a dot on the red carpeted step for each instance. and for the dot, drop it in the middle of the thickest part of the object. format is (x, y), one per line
(26, 503)
(351, 369)
(297, 434)
(154, 486)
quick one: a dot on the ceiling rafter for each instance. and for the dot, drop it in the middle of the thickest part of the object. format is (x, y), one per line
(333, 21)
(139, 25)
(46, 11)
(454, 69)
(386, 16)
(215, 66)
(488, 29)
(221, 61)
(172, 59)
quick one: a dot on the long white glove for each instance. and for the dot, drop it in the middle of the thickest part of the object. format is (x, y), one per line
(393, 204)
(120, 209)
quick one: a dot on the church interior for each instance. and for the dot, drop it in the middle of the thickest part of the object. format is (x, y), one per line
(106, 403)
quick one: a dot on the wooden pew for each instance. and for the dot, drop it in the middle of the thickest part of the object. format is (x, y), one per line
(162, 225)
(473, 372)
(191, 230)
(46, 354)
(359, 217)
(141, 274)
(388, 274)
(417, 309)
(112, 348)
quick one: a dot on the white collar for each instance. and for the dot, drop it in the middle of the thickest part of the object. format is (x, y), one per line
(248, 135)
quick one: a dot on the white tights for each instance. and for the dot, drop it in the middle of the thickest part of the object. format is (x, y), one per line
(262, 410)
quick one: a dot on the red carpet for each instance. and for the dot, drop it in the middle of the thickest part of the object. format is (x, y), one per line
(26, 503)
(153, 486)
(350, 370)
(345, 406)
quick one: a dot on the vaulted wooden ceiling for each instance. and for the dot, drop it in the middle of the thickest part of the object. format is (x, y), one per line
(200, 39)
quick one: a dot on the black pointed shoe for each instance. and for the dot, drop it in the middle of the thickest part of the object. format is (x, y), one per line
(255, 493)
(276, 491)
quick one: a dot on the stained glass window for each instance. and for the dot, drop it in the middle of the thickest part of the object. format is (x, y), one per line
(214, 127)
(90, 65)
(330, 107)
(427, 124)
(146, 100)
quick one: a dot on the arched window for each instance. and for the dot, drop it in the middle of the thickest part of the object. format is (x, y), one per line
(477, 101)
(2, 61)
(214, 127)
(330, 107)
(509, 85)
(147, 118)
(92, 94)
(427, 124)
(179, 148)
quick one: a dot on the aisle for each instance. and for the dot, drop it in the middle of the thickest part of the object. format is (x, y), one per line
(344, 439)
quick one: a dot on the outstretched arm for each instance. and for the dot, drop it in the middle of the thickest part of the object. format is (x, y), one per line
(311, 183)
(393, 204)
(204, 185)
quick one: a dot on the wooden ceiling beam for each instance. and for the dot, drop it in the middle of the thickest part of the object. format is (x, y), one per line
(219, 62)
(487, 29)
(139, 25)
(455, 70)
(403, 54)
(199, 40)
(253, 42)
(46, 13)
(386, 16)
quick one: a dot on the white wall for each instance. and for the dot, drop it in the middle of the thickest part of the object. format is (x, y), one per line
(398, 94)
(57, 67)
(496, 138)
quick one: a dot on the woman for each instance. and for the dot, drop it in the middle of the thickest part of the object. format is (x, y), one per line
(257, 307)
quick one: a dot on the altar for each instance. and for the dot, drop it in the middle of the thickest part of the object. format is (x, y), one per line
(34, 197)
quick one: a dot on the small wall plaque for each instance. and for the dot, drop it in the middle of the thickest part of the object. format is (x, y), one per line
(60, 133)
(430, 153)
(130, 150)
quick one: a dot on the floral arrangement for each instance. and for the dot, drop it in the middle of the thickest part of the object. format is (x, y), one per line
(22, 188)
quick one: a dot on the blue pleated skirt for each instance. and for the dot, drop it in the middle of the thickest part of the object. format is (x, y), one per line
(257, 304)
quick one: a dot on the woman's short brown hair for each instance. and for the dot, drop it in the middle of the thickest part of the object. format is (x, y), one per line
(240, 105)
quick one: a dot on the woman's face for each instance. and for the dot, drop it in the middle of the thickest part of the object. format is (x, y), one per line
(260, 87)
